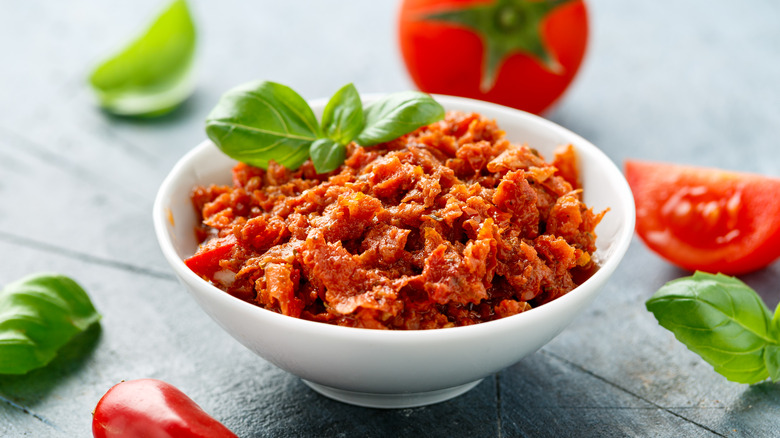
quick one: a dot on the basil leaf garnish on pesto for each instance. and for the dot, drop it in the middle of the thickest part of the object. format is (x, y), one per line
(152, 75)
(263, 121)
(342, 119)
(39, 315)
(724, 321)
(327, 155)
(397, 114)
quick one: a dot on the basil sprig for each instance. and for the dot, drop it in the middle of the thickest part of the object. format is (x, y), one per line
(262, 121)
(725, 322)
(38, 316)
(398, 114)
(152, 75)
(342, 118)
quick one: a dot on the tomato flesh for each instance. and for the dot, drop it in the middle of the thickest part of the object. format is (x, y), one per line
(706, 219)
(206, 262)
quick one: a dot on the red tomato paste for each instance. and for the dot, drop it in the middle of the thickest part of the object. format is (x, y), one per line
(448, 226)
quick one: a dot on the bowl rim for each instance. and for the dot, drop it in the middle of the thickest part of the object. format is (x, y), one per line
(618, 248)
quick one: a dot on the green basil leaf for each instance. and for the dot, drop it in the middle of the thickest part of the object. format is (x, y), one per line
(397, 114)
(39, 315)
(772, 362)
(327, 155)
(152, 75)
(263, 121)
(342, 119)
(776, 323)
(722, 320)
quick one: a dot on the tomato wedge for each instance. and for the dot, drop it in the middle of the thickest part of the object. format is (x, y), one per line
(706, 219)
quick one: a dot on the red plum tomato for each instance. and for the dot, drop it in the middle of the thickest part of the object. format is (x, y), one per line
(152, 408)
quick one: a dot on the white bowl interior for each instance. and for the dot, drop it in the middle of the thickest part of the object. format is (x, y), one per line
(397, 369)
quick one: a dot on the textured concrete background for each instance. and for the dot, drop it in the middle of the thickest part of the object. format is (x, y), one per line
(692, 82)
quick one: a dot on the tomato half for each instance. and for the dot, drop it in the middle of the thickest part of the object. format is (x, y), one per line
(706, 219)
(519, 53)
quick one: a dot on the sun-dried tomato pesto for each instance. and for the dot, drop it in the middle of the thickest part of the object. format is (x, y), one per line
(448, 226)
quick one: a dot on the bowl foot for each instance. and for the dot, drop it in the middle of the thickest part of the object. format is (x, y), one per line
(391, 401)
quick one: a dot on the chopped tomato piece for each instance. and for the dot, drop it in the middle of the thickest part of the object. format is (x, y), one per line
(206, 262)
(707, 219)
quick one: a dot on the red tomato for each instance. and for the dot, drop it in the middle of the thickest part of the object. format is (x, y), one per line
(148, 408)
(519, 53)
(706, 219)
(206, 261)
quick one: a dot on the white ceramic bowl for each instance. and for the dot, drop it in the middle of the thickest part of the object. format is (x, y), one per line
(393, 369)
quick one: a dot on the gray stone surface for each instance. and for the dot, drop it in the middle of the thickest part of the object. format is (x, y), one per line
(694, 82)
